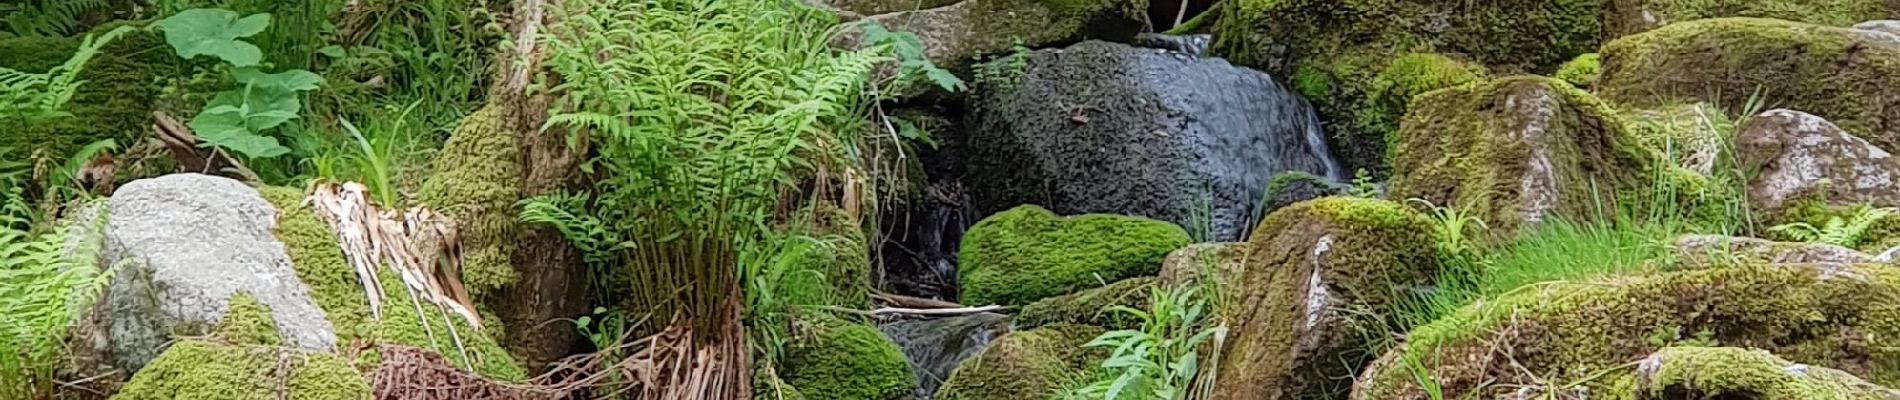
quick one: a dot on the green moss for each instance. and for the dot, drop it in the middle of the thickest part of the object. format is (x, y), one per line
(476, 180)
(1313, 270)
(333, 284)
(1026, 365)
(1638, 16)
(1882, 235)
(1581, 71)
(1832, 315)
(1840, 74)
(1712, 372)
(1091, 307)
(201, 370)
(976, 29)
(116, 101)
(247, 321)
(848, 361)
(1028, 253)
(1517, 150)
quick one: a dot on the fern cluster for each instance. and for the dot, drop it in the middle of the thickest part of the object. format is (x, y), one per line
(42, 289)
(1845, 232)
(32, 18)
(701, 112)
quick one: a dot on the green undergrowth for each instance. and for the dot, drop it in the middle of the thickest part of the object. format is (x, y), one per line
(194, 369)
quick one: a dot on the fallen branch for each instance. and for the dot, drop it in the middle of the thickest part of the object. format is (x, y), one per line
(902, 301)
(937, 311)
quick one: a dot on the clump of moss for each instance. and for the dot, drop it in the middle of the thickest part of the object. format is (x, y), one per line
(1633, 17)
(1028, 253)
(1092, 306)
(202, 370)
(476, 180)
(1312, 270)
(1027, 365)
(1712, 372)
(1840, 74)
(1581, 71)
(848, 361)
(116, 101)
(319, 263)
(1833, 315)
(247, 321)
(1518, 150)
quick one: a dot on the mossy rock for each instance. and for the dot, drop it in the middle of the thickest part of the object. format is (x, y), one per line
(1843, 75)
(333, 284)
(1842, 316)
(247, 321)
(195, 369)
(1311, 271)
(1631, 17)
(1516, 151)
(1714, 251)
(122, 85)
(1361, 96)
(1092, 306)
(1690, 136)
(1743, 374)
(1029, 253)
(476, 180)
(848, 361)
(958, 35)
(1027, 365)
(1581, 71)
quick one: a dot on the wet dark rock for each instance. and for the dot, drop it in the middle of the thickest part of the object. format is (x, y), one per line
(1185, 44)
(1109, 128)
(936, 346)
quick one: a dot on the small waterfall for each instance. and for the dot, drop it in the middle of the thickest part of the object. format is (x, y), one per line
(1316, 145)
(936, 346)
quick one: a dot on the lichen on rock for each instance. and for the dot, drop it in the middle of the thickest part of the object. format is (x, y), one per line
(1312, 270)
(847, 361)
(1839, 316)
(1028, 253)
(1027, 365)
(195, 369)
(1516, 151)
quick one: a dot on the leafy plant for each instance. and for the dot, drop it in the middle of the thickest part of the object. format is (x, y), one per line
(1160, 360)
(912, 64)
(36, 18)
(1363, 186)
(38, 97)
(1849, 232)
(41, 290)
(1453, 229)
(237, 119)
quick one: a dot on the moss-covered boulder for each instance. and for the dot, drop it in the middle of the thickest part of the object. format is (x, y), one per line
(1361, 98)
(847, 361)
(1714, 251)
(1028, 253)
(1091, 306)
(195, 369)
(1797, 156)
(1587, 334)
(122, 87)
(1581, 71)
(1635, 16)
(1844, 75)
(333, 285)
(1027, 365)
(959, 35)
(1516, 151)
(1744, 374)
(1310, 269)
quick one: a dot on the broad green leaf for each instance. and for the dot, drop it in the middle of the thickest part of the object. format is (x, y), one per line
(292, 80)
(216, 33)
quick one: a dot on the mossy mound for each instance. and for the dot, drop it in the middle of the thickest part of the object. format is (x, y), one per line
(333, 284)
(121, 88)
(1581, 71)
(203, 370)
(1516, 151)
(1027, 365)
(247, 321)
(848, 361)
(1630, 17)
(1091, 307)
(1588, 333)
(1028, 253)
(1362, 96)
(1744, 374)
(1311, 270)
(476, 180)
(1843, 75)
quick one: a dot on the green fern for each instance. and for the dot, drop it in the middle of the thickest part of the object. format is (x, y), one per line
(41, 290)
(37, 97)
(36, 18)
(1849, 232)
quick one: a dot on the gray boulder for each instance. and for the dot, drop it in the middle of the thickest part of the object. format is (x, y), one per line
(184, 245)
(1107, 128)
(1802, 156)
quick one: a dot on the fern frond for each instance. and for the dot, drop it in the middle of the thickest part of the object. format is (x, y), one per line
(41, 18)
